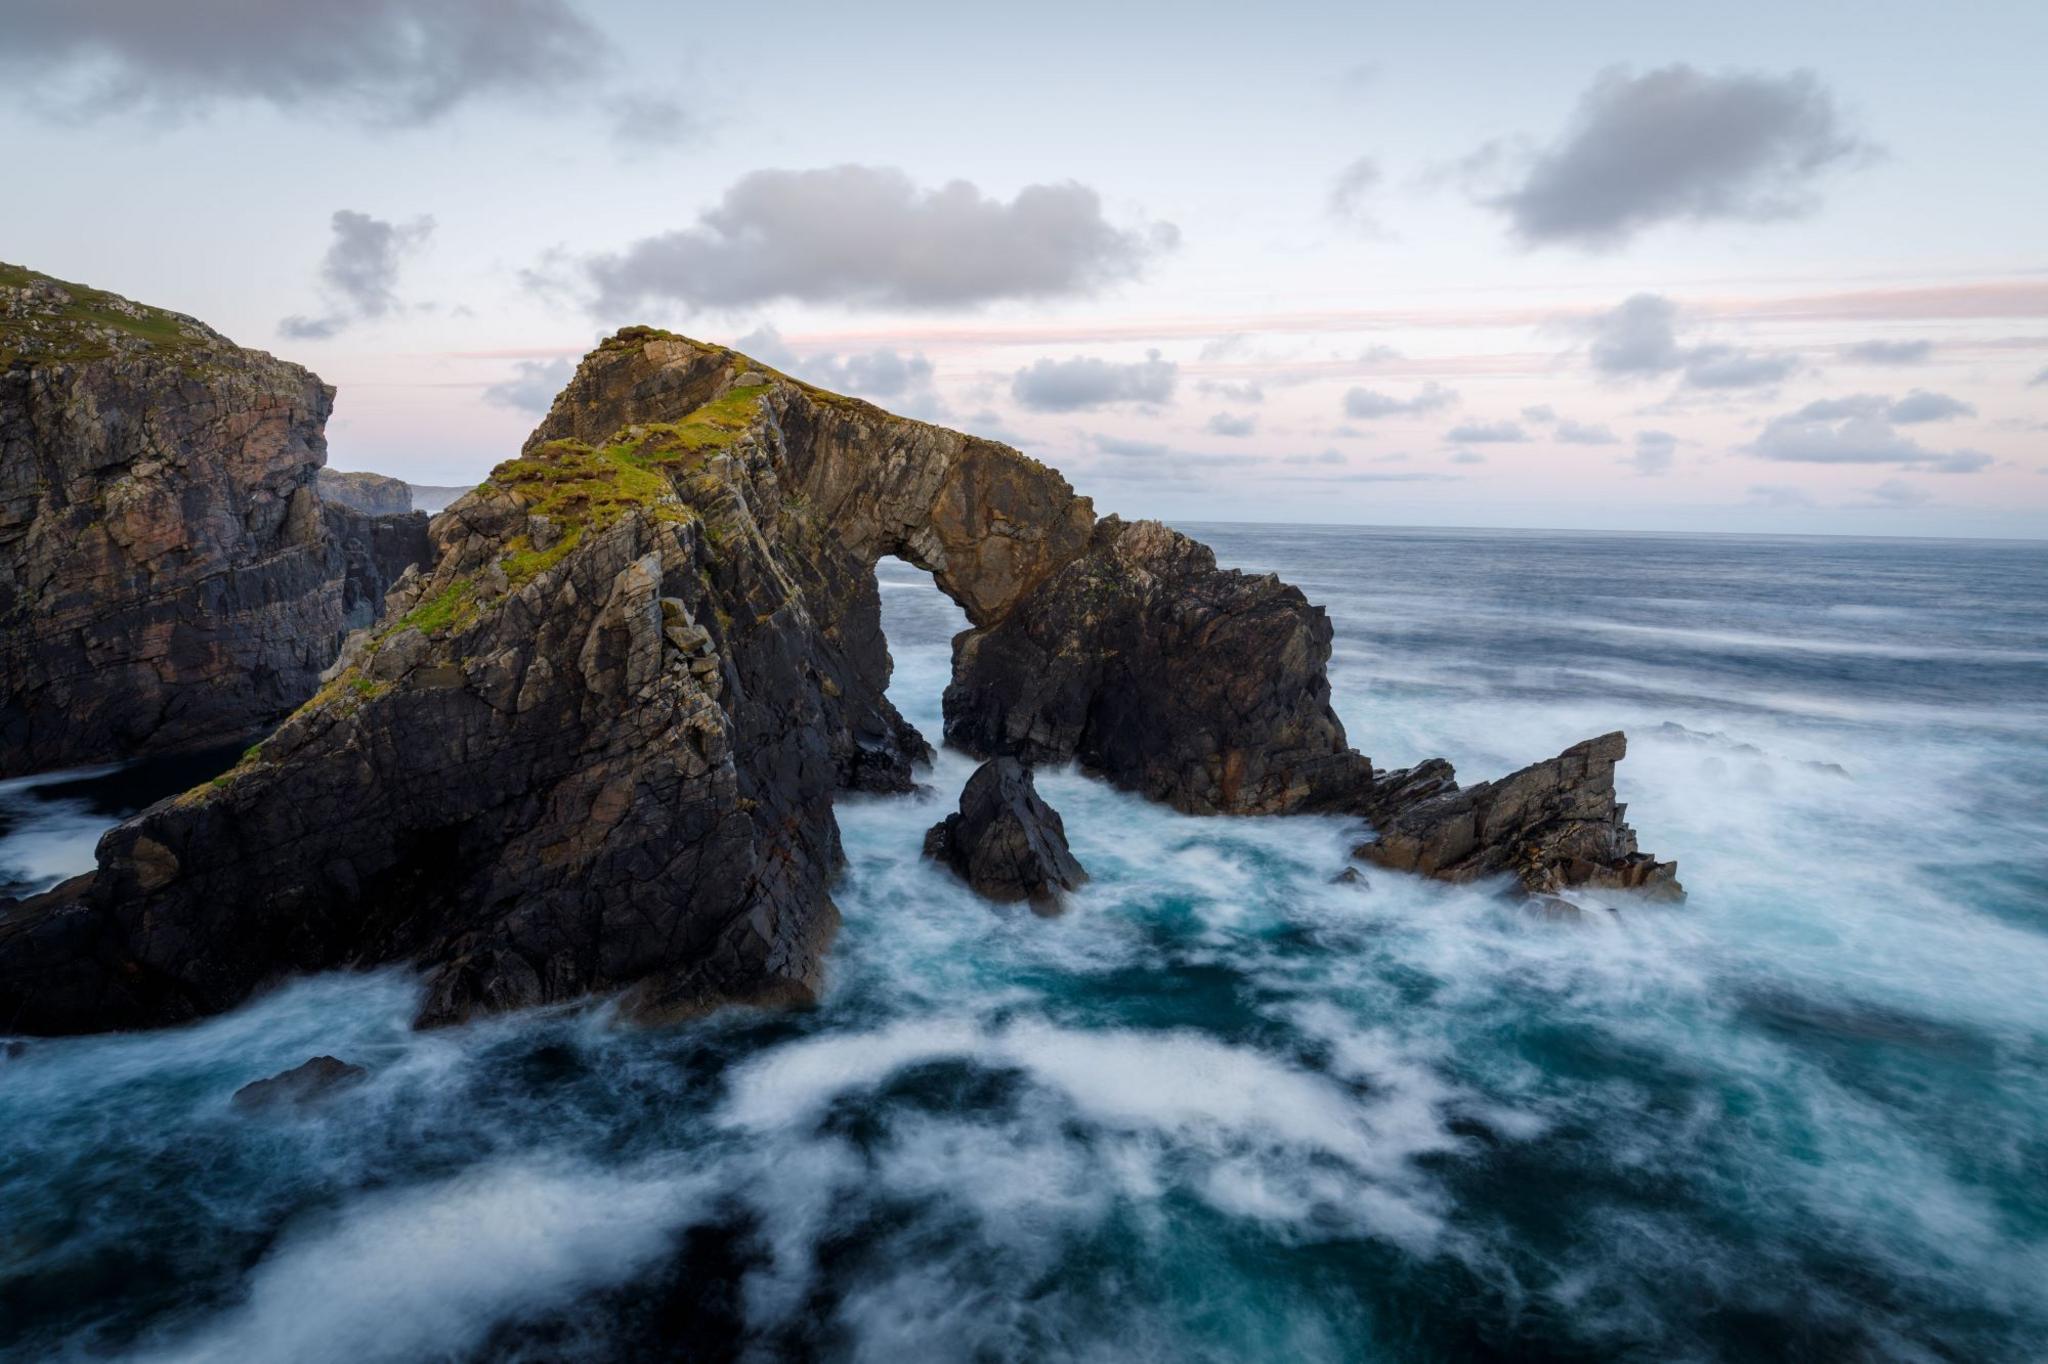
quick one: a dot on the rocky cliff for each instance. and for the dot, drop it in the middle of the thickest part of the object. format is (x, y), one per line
(370, 494)
(168, 574)
(594, 745)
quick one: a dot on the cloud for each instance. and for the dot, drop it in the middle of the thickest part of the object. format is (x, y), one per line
(359, 273)
(867, 236)
(1247, 392)
(1366, 404)
(1893, 495)
(1653, 453)
(1778, 496)
(1229, 424)
(1352, 191)
(1580, 433)
(1679, 145)
(1541, 413)
(1856, 430)
(904, 380)
(533, 386)
(1729, 367)
(2039, 380)
(1639, 335)
(1117, 445)
(1320, 457)
(390, 62)
(1917, 406)
(1638, 338)
(878, 373)
(1084, 381)
(1468, 457)
(1922, 406)
(1888, 352)
(1485, 433)
(651, 123)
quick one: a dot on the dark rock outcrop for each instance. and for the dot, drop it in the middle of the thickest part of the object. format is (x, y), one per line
(1005, 841)
(302, 1084)
(370, 494)
(1552, 825)
(594, 743)
(168, 575)
(1193, 685)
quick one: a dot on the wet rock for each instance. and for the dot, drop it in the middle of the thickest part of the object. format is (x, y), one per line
(169, 576)
(302, 1084)
(1552, 825)
(1005, 841)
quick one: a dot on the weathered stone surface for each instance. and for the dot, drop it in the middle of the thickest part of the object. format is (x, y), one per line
(1201, 687)
(302, 1084)
(1551, 825)
(168, 575)
(371, 494)
(1005, 841)
(594, 744)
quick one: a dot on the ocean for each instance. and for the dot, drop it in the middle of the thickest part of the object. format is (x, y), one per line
(1223, 1108)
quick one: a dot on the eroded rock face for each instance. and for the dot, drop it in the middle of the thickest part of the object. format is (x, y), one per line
(1552, 825)
(168, 574)
(593, 745)
(1005, 841)
(1201, 687)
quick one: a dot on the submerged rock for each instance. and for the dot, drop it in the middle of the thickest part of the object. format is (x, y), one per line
(302, 1084)
(1005, 841)
(1552, 825)
(168, 574)
(593, 743)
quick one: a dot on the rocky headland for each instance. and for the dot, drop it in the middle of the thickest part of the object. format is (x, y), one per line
(169, 573)
(593, 741)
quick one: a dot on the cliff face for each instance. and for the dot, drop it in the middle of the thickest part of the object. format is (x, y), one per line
(595, 744)
(168, 575)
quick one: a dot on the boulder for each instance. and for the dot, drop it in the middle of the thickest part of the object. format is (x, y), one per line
(1552, 825)
(302, 1084)
(1005, 841)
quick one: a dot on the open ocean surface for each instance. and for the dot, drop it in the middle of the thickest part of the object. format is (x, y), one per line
(1223, 1109)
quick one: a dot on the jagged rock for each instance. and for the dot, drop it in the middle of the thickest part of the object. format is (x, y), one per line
(1005, 841)
(594, 743)
(1197, 686)
(371, 494)
(302, 1084)
(1551, 825)
(168, 575)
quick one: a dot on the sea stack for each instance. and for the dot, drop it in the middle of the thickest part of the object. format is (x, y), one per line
(594, 741)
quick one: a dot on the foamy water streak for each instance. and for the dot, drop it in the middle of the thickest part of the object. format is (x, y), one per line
(1223, 1108)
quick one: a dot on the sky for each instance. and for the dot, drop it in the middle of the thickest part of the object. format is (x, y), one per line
(1744, 267)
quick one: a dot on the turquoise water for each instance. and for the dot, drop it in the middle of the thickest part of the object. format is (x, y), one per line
(1223, 1108)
